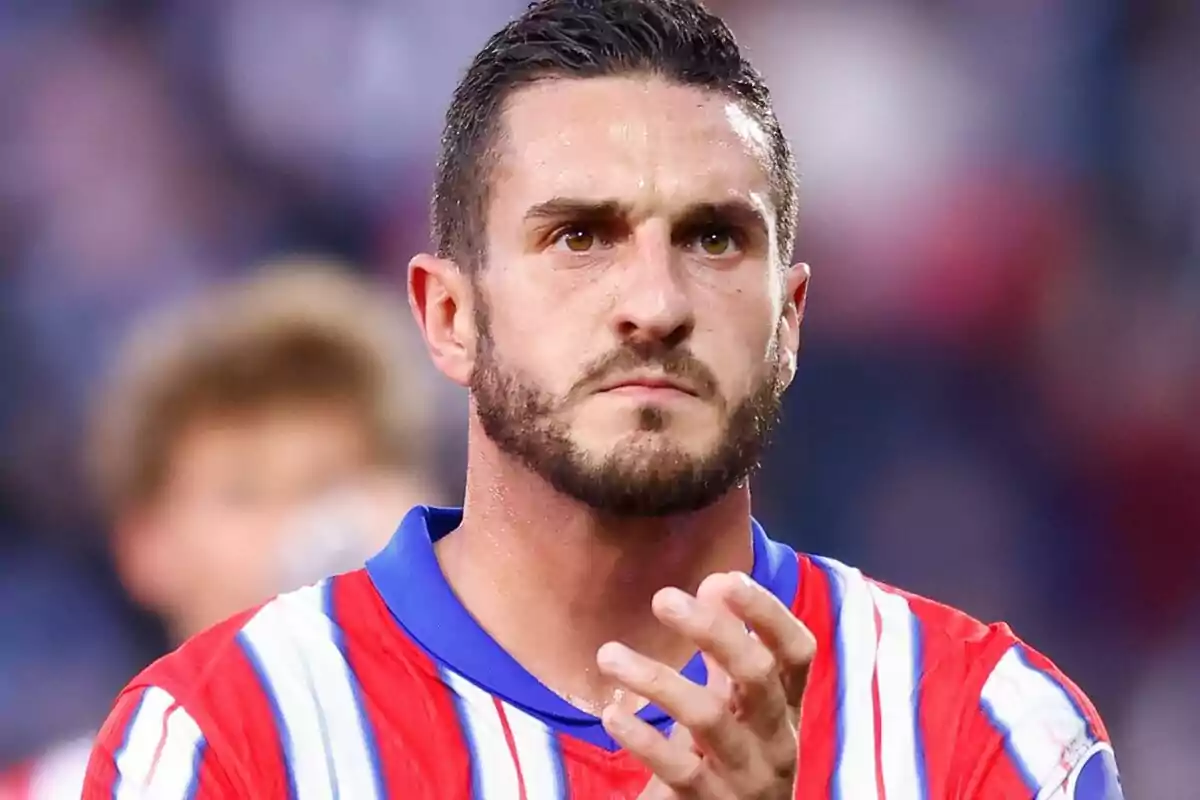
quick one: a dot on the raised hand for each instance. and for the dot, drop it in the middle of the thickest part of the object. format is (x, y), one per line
(737, 737)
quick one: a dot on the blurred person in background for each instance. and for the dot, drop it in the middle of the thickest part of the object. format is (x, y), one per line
(263, 435)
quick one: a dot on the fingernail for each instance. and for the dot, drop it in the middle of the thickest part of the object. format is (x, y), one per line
(745, 584)
(677, 604)
(613, 656)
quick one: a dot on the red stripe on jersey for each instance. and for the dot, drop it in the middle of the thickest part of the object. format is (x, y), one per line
(819, 713)
(101, 776)
(876, 708)
(950, 679)
(17, 784)
(512, 744)
(419, 740)
(162, 741)
(211, 783)
(590, 771)
(997, 773)
(241, 688)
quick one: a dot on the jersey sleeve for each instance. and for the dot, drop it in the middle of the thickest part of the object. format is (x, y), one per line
(151, 748)
(1033, 734)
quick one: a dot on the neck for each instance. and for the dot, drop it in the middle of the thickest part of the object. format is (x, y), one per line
(532, 565)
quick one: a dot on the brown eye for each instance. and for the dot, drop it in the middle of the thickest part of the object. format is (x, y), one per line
(577, 240)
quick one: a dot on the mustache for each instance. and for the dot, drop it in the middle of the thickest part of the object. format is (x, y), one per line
(671, 361)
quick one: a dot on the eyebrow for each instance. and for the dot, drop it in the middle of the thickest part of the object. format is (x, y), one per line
(734, 211)
(568, 207)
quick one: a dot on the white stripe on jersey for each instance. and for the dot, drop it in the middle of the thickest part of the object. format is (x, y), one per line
(856, 653)
(161, 752)
(1042, 727)
(896, 667)
(538, 753)
(493, 766)
(293, 644)
(59, 773)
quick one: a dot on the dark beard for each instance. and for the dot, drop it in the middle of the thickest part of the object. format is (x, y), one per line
(629, 482)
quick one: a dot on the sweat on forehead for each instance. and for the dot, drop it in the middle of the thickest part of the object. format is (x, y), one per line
(648, 144)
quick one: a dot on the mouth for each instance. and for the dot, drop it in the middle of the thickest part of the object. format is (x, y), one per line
(648, 385)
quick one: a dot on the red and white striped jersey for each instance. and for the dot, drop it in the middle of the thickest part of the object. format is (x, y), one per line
(55, 775)
(379, 684)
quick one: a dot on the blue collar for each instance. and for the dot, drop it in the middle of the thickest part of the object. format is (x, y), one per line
(409, 579)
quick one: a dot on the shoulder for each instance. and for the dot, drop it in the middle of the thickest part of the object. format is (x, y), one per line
(991, 713)
(945, 642)
(230, 701)
(302, 635)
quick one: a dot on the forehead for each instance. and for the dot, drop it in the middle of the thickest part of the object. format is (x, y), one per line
(643, 141)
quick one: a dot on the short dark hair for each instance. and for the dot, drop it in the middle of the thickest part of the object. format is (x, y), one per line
(678, 40)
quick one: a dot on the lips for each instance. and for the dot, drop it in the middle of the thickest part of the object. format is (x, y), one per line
(648, 382)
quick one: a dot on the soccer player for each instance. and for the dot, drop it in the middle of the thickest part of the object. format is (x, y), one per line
(614, 210)
(251, 441)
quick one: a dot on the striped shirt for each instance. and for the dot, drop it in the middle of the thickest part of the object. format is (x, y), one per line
(378, 684)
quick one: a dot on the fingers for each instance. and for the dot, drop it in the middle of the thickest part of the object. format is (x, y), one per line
(707, 716)
(723, 638)
(680, 772)
(792, 644)
(745, 721)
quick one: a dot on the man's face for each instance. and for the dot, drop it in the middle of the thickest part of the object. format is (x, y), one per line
(214, 540)
(634, 327)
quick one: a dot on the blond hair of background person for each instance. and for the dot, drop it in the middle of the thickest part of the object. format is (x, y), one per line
(257, 436)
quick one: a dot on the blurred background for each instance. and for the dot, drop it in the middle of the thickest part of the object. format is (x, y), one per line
(999, 393)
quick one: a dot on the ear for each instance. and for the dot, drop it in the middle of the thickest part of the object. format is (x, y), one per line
(440, 297)
(795, 297)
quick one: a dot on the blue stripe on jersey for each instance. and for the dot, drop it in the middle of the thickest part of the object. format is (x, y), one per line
(468, 734)
(409, 579)
(125, 740)
(285, 738)
(1097, 777)
(560, 766)
(835, 606)
(197, 760)
(918, 735)
(368, 730)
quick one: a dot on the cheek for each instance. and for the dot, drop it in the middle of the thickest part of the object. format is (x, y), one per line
(547, 339)
(737, 334)
(230, 539)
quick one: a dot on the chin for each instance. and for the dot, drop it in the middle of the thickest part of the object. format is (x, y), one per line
(642, 446)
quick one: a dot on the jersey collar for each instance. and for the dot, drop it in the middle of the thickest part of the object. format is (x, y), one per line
(409, 579)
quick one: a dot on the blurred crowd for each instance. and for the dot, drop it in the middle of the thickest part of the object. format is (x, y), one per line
(997, 399)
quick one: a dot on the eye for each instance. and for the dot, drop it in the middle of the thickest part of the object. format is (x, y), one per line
(716, 242)
(576, 239)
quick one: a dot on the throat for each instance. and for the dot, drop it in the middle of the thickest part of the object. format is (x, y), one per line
(552, 594)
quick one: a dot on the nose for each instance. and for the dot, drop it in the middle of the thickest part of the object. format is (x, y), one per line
(653, 305)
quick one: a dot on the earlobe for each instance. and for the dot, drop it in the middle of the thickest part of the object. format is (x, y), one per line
(797, 289)
(796, 295)
(440, 299)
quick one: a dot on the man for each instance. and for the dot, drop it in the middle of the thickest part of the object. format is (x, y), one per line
(250, 442)
(613, 212)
